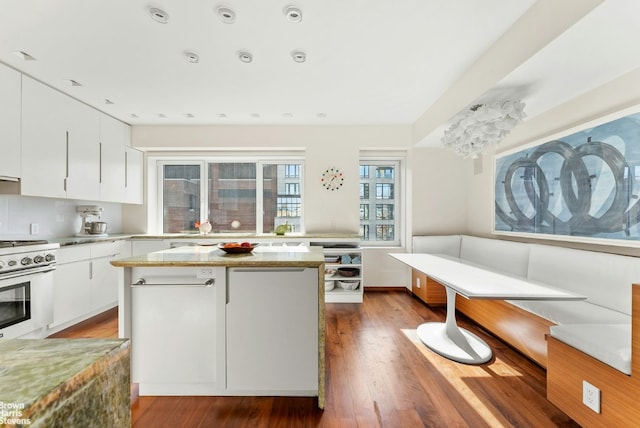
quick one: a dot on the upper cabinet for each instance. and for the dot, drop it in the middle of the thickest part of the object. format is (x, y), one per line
(9, 122)
(70, 150)
(113, 140)
(44, 141)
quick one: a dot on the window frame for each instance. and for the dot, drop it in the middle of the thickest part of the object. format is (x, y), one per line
(157, 163)
(397, 161)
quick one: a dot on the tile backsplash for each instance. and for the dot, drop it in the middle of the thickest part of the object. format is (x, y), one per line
(56, 218)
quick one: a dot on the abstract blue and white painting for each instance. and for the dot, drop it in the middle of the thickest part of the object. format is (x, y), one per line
(586, 184)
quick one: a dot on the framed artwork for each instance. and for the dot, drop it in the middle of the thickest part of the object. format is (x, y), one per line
(582, 186)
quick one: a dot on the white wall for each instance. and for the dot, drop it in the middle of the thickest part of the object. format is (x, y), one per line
(617, 95)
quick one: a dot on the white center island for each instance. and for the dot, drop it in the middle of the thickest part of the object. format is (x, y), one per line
(203, 322)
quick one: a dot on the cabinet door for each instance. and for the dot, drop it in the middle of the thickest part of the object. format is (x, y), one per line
(133, 174)
(71, 292)
(104, 283)
(178, 331)
(272, 330)
(44, 140)
(84, 152)
(113, 135)
(10, 122)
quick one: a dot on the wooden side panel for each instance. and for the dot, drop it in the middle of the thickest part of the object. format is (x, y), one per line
(619, 393)
(426, 289)
(419, 284)
(436, 294)
(521, 329)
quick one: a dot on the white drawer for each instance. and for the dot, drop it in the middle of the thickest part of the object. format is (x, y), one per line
(73, 253)
(105, 249)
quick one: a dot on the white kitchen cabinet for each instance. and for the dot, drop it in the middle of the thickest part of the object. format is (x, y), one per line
(133, 176)
(60, 149)
(113, 136)
(10, 113)
(83, 154)
(272, 345)
(44, 141)
(84, 282)
(178, 331)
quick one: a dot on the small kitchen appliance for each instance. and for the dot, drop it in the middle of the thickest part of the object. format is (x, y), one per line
(91, 227)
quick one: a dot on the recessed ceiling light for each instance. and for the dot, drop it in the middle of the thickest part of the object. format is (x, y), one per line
(191, 57)
(222, 115)
(158, 15)
(256, 115)
(321, 115)
(23, 55)
(108, 101)
(189, 115)
(288, 115)
(162, 116)
(299, 56)
(293, 14)
(71, 82)
(226, 15)
(134, 116)
(245, 56)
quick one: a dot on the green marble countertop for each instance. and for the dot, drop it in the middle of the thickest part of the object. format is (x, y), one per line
(210, 255)
(36, 373)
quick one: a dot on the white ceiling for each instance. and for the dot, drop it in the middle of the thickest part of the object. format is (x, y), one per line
(369, 62)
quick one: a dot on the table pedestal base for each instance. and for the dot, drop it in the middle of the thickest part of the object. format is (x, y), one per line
(451, 341)
(469, 349)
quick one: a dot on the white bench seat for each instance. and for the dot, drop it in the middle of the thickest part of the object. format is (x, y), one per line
(609, 343)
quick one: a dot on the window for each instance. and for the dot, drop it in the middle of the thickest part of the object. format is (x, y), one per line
(243, 196)
(379, 220)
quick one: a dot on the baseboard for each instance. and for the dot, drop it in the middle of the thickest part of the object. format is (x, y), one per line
(388, 288)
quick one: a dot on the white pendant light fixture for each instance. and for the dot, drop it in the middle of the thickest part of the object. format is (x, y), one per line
(482, 126)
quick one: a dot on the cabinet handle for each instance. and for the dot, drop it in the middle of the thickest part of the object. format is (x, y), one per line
(126, 169)
(66, 165)
(90, 270)
(100, 164)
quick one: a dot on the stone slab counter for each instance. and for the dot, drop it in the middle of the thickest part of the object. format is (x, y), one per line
(65, 383)
(210, 255)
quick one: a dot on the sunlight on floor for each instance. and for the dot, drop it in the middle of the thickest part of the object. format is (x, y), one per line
(458, 373)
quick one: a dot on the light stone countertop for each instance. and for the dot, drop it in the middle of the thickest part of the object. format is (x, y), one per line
(210, 255)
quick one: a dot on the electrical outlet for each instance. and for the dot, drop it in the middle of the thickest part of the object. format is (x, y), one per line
(35, 228)
(591, 396)
(204, 273)
(418, 282)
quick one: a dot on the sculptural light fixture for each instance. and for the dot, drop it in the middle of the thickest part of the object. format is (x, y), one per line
(482, 126)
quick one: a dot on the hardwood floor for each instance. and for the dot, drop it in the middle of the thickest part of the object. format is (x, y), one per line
(377, 376)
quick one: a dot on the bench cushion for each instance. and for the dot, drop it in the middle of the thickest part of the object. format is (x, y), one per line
(605, 278)
(502, 256)
(572, 312)
(609, 343)
(448, 245)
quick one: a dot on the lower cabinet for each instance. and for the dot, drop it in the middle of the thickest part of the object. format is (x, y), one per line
(270, 345)
(177, 331)
(84, 282)
(428, 290)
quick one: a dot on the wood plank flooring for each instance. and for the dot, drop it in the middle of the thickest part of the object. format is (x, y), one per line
(378, 375)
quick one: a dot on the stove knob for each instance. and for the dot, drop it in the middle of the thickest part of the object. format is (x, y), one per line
(1, 264)
(38, 259)
(12, 262)
(49, 258)
(26, 261)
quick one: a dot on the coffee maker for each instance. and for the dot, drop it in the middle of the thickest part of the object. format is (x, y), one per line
(90, 226)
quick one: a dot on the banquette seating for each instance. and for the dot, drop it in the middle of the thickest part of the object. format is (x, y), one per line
(575, 341)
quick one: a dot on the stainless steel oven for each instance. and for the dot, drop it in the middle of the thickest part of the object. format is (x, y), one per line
(26, 288)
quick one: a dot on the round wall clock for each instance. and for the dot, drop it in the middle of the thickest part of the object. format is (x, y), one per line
(332, 179)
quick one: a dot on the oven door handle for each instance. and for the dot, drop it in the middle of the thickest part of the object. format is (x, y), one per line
(28, 271)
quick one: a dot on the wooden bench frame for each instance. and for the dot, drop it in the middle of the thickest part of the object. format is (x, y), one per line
(566, 366)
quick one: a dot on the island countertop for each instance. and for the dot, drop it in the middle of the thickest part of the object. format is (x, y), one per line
(210, 255)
